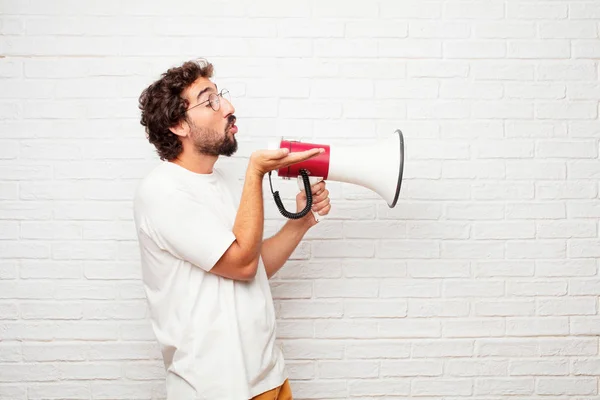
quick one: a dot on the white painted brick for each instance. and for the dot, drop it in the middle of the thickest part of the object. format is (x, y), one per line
(362, 109)
(584, 287)
(502, 70)
(536, 249)
(330, 329)
(13, 392)
(342, 47)
(573, 71)
(437, 308)
(12, 372)
(410, 89)
(373, 268)
(411, 210)
(566, 229)
(121, 390)
(442, 348)
(560, 268)
(474, 211)
(374, 349)
(470, 90)
(301, 27)
(409, 328)
(545, 210)
(474, 169)
(441, 109)
(379, 387)
(539, 49)
(50, 269)
(566, 149)
(374, 28)
(313, 349)
(505, 30)
(567, 110)
(567, 386)
(537, 129)
(467, 250)
(310, 309)
(476, 368)
(527, 170)
(311, 269)
(437, 68)
(474, 49)
(503, 191)
(470, 288)
(504, 268)
(412, 48)
(544, 326)
(507, 347)
(77, 371)
(448, 230)
(409, 288)
(473, 328)
(537, 288)
(584, 248)
(502, 109)
(411, 368)
(583, 209)
(346, 288)
(375, 309)
(586, 367)
(51, 310)
(407, 249)
(536, 10)
(444, 30)
(10, 352)
(504, 230)
(344, 249)
(585, 48)
(295, 329)
(538, 367)
(585, 326)
(438, 269)
(572, 306)
(568, 30)
(52, 351)
(473, 129)
(345, 369)
(439, 387)
(291, 290)
(341, 88)
(410, 9)
(535, 91)
(368, 68)
(63, 390)
(583, 91)
(504, 308)
(567, 190)
(505, 386)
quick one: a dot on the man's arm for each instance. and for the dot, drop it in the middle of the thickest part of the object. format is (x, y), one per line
(240, 261)
(277, 249)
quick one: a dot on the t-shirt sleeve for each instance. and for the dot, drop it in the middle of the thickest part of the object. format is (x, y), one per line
(190, 230)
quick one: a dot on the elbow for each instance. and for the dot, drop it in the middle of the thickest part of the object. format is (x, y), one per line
(248, 272)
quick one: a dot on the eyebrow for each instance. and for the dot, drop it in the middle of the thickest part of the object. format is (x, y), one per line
(206, 89)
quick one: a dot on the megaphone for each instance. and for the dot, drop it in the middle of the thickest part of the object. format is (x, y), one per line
(377, 166)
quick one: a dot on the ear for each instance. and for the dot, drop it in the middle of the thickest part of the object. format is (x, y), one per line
(182, 129)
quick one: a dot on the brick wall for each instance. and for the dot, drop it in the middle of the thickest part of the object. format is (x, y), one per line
(481, 284)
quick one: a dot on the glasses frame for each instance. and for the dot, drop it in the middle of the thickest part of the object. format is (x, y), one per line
(214, 99)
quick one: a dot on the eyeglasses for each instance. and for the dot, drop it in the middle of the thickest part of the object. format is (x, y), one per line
(214, 100)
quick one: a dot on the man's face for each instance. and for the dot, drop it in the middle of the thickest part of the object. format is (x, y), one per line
(211, 132)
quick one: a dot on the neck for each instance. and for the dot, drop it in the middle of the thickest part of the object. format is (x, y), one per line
(195, 162)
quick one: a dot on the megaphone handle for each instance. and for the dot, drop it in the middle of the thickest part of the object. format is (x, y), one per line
(313, 180)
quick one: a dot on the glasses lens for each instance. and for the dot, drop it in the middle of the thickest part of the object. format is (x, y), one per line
(214, 101)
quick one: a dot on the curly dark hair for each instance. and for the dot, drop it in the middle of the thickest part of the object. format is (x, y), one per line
(163, 106)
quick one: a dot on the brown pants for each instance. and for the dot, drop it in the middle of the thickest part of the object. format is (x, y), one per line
(283, 392)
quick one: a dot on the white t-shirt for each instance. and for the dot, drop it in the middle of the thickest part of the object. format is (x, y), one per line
(217, 335)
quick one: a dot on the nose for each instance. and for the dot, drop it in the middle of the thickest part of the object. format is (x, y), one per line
(226, 107)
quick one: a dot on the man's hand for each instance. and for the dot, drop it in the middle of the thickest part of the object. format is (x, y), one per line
(321, 202)
(263, 161)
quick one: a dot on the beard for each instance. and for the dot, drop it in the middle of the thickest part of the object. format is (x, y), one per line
(210, 142)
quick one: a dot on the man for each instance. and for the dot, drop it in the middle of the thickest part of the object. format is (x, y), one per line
(204, 261)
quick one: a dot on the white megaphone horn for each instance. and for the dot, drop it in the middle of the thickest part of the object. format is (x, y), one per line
(378, 167)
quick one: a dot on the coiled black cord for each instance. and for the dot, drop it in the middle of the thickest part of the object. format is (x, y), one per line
(309, 198)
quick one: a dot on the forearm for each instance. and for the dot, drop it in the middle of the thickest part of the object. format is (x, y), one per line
(249, 222)
(277, 249)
